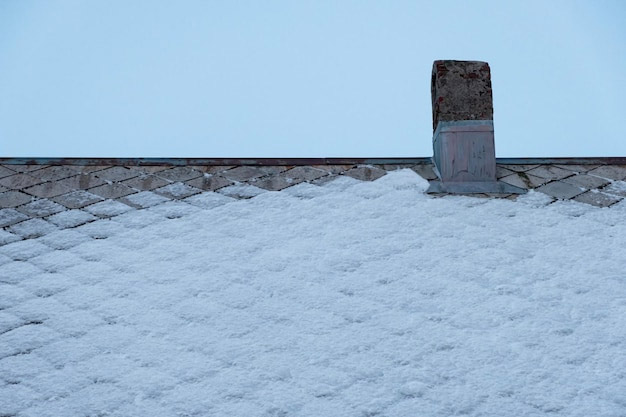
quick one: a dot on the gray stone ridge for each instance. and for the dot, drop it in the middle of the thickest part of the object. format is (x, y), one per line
(38, 199)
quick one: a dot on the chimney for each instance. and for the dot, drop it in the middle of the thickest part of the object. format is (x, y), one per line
(463, 140)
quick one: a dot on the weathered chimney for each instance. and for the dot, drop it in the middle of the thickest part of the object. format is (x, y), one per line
(463, 140)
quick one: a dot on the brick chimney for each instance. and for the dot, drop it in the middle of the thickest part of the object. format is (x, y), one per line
(463, 139)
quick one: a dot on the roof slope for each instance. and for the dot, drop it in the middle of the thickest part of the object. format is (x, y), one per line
(344, 298)
(37, 198)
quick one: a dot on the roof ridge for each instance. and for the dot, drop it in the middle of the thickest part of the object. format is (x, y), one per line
(181, 161)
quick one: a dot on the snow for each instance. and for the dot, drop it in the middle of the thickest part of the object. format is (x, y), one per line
(138, 219)
(71, 218)
(7, 237)
(208, 200)
(241, 191)
(178, 190)
(101, 229)
(10, 216)
(32, 228)
(174, 209)
(349, 299)
(43, 207)
(108, 208)
(616, 188)
(146, 199)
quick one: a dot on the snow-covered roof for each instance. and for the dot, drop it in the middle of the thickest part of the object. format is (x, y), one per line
(317, 289)
(33, 195)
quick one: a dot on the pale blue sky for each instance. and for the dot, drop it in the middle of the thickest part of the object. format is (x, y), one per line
(302, 78)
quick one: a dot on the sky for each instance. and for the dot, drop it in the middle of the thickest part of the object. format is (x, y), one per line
(302, 79)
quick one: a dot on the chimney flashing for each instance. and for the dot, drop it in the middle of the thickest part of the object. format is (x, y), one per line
(463, 133)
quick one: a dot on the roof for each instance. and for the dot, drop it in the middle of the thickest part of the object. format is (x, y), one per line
(37, 194)
(328, 287)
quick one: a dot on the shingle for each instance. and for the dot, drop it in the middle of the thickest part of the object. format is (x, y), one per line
(395, 167)
(275, 169)
(334, 169)
(518, 167)
(25, 168)
(13, 199)
(52, 263)
(19, 181)
(32, 228)
(48, 189)
(82, 181)
(241, 191)
(210, 183)
(54, 173)
(597, 199)
(88, 169)
(276, 183)
(211, 169)
(613, 172)
(616, 188)
(324, 180)
(425, 171)
(137, 219)
(145, 182)
(144, 199)
(71, 218)
(5, 172)
(524, 180)
(179, 174)
(108, 208)
(151, 169)
(6, 238)
(117, 173)
(10, 216)
(41, 208)
(576, 168)
(115, 190)
(304, 173)
(365, 173)
(139, 170)
(64, 239)
(586, 181)
(174, 209)
(245, 173)
(177, 190)
(506, 196)
(25, 250)
(100, 229)
(502, 171)
(77, 199)
(208, 200)
(560, 190)
(549, 172)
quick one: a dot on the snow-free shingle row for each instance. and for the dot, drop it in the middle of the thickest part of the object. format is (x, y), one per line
(36, 198)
